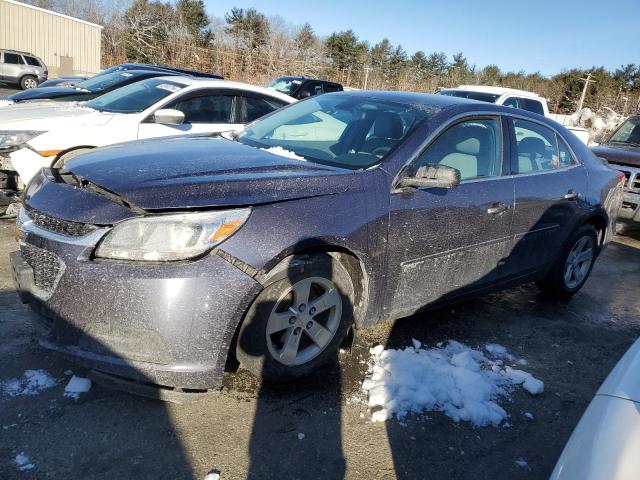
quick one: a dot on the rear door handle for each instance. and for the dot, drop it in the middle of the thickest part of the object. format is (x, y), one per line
(571, 195)
(497, 208)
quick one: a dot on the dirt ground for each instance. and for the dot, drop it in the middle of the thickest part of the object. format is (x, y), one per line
(252, 431)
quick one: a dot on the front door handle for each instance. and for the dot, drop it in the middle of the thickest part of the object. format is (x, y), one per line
(571, 195)
(497, 208)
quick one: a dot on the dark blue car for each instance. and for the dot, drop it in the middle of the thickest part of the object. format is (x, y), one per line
(157, 263)
(88, 89)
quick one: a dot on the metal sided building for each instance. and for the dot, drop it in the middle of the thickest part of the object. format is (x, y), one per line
(67, 45)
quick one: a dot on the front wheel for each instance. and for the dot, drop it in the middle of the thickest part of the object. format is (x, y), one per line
(574, 264)
(297, 323)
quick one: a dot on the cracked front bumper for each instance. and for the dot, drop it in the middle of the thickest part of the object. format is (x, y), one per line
(164, 324)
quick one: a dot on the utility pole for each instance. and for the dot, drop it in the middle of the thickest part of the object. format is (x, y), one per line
(586, 81)
(366, 77)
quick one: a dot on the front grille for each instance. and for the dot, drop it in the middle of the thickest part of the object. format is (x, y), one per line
(631, 178)
(47, 267)
(57, 225)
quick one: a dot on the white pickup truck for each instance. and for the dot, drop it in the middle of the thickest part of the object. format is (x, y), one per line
(510, 97)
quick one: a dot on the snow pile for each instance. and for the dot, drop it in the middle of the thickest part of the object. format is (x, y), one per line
(23, 462)
(455, 379)
(76, 386)
(4, 102)
(32, 382)
(599, 124)
(283, 152)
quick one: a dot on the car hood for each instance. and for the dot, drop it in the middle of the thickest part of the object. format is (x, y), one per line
(48, 115)
(623, 381)
(201, 171)
(43, 92)
(624, 155)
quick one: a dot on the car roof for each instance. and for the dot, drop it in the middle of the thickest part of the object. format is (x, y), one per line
(163, 68)
(225, 84)
(493, 90)
(442, 103)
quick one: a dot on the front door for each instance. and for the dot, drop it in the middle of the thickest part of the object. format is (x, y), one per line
(204, 112)
(550, 185)
(445, 242)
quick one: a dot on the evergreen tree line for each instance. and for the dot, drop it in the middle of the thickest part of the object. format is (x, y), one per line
(246, 45)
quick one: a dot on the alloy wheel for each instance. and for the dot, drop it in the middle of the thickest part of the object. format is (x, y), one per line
(30, 83)
(578, 262)
(304, 321)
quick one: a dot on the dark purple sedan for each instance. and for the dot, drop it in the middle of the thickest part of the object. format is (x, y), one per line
(158, 263)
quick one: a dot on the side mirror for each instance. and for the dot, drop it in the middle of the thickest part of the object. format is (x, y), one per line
(439, 176)
(168, 116)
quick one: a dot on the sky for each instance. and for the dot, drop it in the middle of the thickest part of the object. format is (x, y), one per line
(546, 36)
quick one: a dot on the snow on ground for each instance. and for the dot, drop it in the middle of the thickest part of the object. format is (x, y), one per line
(32, 382)
(462, 382)
(23, 462)
(76, 386)
(283, 152)
(5, 102)
(522, 463)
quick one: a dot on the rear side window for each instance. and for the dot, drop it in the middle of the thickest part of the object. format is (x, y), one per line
(473, 147)
(255, 107)
(13, 58)
(331, 87)
(529, 104)
(566, 159)
(536, 147)
(207, 109)
(32, 61)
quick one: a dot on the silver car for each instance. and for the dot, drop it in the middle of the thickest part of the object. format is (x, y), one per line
(21, 68)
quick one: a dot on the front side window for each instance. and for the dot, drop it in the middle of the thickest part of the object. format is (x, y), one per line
(342, 130)
(206, 108)
(536, 147)
(255, 107)
(13, 59)
(135, 97)
(473, 147)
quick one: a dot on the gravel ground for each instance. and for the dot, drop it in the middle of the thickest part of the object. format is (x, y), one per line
(252, 431)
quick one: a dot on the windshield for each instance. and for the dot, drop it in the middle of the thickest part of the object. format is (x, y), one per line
(284, 84)
(97, 83)
(336, 129)
(480, 96)
(135, 97)
(628, 132)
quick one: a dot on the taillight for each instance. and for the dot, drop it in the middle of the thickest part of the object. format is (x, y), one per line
(46, 72)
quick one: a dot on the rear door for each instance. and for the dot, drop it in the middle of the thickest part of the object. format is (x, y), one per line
(13, 66)
(549, 186)
(207, 111)
(445, 242)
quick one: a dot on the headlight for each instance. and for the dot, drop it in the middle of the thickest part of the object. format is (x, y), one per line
(170, 237)
(15, 138)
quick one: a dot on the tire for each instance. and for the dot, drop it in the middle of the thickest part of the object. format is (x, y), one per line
(28, 81)
(265, 355)
(562, 283)
(60, 161)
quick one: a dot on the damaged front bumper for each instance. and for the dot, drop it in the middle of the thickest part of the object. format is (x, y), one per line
(165, 327)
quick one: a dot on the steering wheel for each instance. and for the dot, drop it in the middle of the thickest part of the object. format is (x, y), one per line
(381, 151)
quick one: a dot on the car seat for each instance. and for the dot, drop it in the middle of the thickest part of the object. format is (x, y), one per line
(530, 150)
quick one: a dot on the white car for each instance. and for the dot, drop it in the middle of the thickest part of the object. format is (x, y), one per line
(42, 134)
(606, 442)
(511, 97)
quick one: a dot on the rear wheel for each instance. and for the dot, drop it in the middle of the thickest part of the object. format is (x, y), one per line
(574, 264)
(28, 81)
(297, 323)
